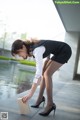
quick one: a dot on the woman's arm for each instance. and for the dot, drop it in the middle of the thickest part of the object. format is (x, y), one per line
(30, 94)
(31, 91)
(38, 53)
(33, 88)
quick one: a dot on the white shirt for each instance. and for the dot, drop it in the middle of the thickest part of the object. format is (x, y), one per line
(38, 54)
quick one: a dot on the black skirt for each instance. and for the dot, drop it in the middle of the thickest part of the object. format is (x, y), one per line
(63, 55)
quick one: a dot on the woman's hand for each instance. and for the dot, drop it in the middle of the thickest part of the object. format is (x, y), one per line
(30, 94)
(26, 98)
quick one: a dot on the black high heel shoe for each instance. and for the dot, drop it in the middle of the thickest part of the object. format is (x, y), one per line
(37, 106)
(48, 112)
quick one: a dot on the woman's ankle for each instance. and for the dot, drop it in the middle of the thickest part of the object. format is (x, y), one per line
(49, 104)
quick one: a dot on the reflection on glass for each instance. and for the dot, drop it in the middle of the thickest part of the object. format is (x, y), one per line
(14, 79)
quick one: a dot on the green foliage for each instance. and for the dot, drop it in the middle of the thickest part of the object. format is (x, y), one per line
(25, 62)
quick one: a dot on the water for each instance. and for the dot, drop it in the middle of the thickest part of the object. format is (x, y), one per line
(14, 78)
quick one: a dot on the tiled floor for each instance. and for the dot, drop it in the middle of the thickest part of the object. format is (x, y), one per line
(66, 96)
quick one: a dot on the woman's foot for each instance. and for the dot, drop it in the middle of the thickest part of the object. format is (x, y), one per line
(39, 102)
(48, 110)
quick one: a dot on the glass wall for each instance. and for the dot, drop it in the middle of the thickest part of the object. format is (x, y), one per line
(15, 78)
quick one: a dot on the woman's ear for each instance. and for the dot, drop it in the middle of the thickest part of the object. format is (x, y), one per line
(24, 48)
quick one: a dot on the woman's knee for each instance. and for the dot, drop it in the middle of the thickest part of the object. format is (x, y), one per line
(47, 74)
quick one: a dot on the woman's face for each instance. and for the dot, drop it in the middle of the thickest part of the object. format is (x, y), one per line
(22, 53)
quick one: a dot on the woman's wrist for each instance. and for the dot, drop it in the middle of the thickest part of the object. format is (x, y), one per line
(29, 94)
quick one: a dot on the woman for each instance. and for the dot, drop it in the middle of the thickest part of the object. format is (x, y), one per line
(40, 49)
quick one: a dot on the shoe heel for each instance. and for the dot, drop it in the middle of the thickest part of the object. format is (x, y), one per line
(37, 106)
(54, 112)
(43, 103)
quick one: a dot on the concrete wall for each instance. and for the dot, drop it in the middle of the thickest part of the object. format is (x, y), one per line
(78, 70)
(69, 70)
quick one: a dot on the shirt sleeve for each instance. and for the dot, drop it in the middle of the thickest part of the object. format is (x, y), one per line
(38, 54)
